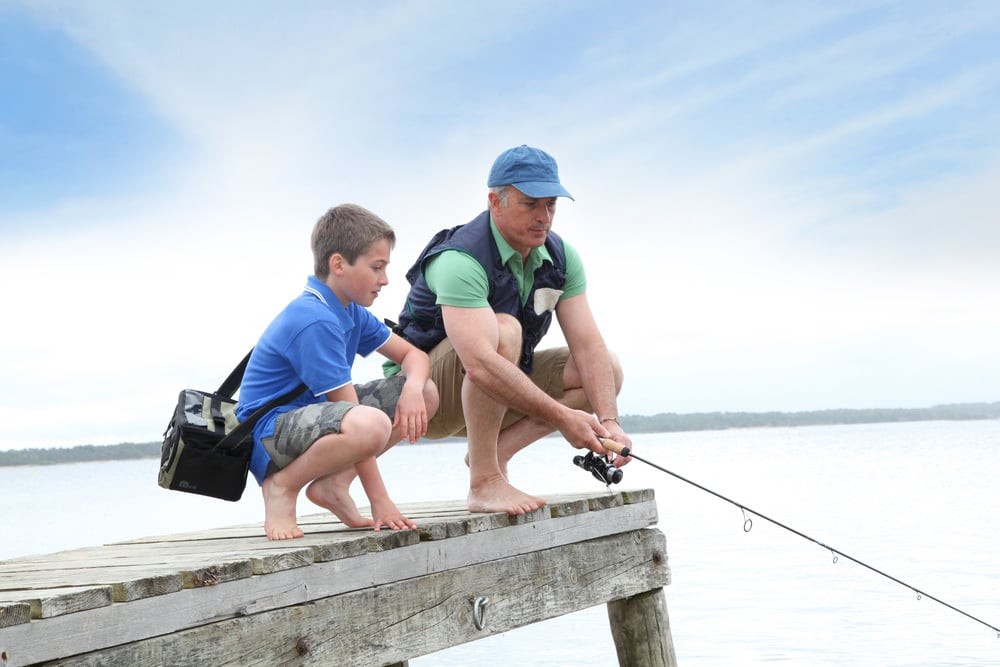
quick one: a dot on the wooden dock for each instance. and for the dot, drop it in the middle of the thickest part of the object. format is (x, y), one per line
(342, 596)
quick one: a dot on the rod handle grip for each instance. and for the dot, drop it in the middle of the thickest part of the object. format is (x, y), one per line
(615, 446)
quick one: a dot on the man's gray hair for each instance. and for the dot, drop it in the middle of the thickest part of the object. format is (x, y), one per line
(501, 191)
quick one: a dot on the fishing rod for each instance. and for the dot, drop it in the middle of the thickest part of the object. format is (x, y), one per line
(606, 473)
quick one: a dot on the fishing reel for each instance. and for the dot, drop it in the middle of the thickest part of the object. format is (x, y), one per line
(600, 467)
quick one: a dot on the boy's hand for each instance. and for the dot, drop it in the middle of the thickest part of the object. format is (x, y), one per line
(411, 414)
(385, 513)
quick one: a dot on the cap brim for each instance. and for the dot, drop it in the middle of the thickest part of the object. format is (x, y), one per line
(543, 189)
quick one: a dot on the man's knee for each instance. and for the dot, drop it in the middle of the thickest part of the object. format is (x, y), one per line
(432, 399)
(617, 372)
(509, 345)
(572, 379)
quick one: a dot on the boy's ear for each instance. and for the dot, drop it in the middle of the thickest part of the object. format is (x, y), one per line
(336, 263)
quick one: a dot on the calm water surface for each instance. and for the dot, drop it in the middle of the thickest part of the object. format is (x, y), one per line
(917, 501)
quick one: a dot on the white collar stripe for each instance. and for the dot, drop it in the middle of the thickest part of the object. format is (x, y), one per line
(317, 294)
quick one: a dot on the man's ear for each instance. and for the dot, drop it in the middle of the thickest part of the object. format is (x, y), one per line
(495, 203)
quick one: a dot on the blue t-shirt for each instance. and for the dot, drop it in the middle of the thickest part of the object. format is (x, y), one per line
(314, 340)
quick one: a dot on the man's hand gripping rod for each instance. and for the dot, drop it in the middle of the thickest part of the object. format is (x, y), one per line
(615, 446)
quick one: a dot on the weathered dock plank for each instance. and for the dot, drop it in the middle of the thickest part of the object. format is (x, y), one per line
(13, 612)
(428, 613)
(46, 603)
(233, 580)
(136, 581)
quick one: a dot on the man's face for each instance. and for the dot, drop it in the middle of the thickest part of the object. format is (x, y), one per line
(525, 221)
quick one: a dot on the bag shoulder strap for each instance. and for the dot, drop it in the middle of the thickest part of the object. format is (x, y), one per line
(229, 385)
(236, 437)
(245, 427)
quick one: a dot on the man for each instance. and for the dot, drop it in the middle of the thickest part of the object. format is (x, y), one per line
(482, 296)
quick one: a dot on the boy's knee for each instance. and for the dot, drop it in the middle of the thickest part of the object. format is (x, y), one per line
(369, 430)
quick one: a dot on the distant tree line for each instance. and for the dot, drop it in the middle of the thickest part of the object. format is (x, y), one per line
(664, 422)
(80, 454)
(706, 421)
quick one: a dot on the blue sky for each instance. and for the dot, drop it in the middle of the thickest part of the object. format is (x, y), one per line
(782, 206)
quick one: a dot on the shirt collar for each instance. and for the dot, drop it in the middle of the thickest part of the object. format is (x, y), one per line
(535, 256)
(322, 291)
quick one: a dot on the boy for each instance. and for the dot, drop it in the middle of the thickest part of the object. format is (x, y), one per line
(335, 430)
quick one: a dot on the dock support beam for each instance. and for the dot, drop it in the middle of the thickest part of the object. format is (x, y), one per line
(641, 630)
(229, 597)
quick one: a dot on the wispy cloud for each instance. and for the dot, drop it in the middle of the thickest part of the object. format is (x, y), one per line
(783, 206)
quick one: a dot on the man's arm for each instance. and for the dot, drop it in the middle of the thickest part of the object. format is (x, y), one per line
(593, 361)
(475, 335)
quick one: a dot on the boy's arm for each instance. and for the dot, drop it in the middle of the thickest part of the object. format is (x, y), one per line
(384, 511)
(411, 410)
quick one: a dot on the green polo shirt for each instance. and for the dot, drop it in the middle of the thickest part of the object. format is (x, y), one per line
(458, 279)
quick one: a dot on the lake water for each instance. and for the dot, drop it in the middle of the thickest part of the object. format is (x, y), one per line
(918, 501)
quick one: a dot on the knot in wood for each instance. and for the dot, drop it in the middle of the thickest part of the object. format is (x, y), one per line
(301, 647)
(210, 577)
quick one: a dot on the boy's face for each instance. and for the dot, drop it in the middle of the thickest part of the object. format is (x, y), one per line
(360, 282)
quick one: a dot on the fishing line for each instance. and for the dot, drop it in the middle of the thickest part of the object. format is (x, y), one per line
(618, 448)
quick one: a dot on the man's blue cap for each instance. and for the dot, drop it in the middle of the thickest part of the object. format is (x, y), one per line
(530, 170)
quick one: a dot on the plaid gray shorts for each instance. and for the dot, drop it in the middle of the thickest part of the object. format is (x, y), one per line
(297, 430)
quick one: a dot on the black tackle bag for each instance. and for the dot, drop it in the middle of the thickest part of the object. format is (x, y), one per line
(206, 449)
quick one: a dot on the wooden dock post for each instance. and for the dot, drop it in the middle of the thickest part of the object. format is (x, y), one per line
(641, 630)
(341, 596)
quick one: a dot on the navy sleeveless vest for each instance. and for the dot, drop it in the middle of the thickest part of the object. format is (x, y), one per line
(420, 321)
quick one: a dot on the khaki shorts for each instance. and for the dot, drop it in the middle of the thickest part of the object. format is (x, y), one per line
(297, 430)
(448, 374)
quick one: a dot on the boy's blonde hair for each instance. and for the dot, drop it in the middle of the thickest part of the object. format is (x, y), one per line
(349, 230)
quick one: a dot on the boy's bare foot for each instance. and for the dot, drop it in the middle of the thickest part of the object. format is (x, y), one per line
(386, 513)
(279, 511)
(333, 493)
(496, 495)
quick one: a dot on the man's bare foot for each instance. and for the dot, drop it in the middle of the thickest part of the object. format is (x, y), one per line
(279, 511)
(333, 493)
(496, 495)
(500, 463)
